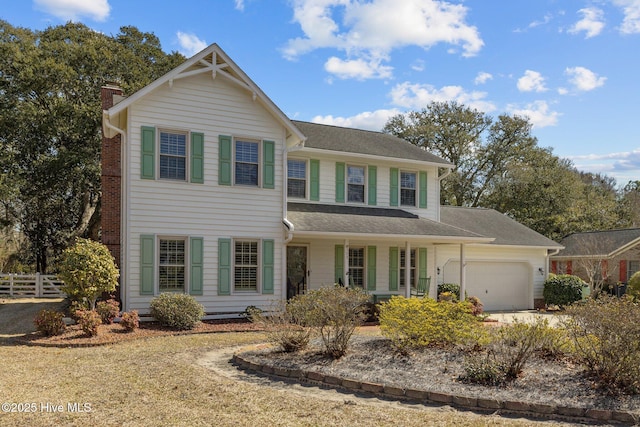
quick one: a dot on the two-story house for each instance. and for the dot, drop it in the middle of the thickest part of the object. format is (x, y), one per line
(210, 189)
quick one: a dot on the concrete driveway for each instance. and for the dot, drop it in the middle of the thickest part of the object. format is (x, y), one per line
(527, 316)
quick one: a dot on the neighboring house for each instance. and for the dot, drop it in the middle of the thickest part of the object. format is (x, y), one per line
(604, 257)
(209, 189)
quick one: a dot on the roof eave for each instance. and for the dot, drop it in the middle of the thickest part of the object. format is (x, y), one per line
(372, 157)
(376, 236)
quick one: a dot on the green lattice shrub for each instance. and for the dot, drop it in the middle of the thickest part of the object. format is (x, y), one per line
(178, 311)
(563, 290)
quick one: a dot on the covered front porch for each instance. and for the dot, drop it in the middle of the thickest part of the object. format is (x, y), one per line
(384, 251)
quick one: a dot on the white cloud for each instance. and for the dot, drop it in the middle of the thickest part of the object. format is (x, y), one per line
(190, 44)
(418, 65)
(239, 5)
(371, 30)
(482, 78)
(416, 96)
(631, 21)
(592, 22)
(357, 69)
(98, 10)
(624, 166)
(370, 120)
(584, 79)
(538, 113)
(532, 81)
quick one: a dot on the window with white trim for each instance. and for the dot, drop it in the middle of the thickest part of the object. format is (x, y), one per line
(412, 266)
(247, 162)
(356, 184)
(173, 155)
(407, 188)
(632, 268)
(171, 265)
(297, 178)
(245, 265)
(356, 267)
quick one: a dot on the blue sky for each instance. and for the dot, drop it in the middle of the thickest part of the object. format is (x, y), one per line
(571, 66)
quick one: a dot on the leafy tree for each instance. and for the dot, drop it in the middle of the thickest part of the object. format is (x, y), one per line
(479, 148)
(88, 269)
(50, 124)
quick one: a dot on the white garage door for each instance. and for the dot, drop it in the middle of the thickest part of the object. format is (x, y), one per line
(499, 285)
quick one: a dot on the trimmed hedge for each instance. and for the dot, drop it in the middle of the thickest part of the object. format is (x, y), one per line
(563, 289)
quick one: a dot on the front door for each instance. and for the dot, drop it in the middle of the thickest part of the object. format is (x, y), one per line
(296, 270)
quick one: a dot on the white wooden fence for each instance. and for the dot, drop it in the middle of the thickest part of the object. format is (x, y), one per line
(31, 285)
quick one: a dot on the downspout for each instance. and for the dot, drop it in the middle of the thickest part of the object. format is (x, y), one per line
(549, 255)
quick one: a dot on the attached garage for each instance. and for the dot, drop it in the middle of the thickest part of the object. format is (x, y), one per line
(499, 285)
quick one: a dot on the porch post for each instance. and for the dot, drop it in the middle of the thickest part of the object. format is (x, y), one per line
(463, 270)
(407, 270)
(345, 271)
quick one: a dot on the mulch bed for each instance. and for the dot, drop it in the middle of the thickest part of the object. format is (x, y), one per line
(114, 333)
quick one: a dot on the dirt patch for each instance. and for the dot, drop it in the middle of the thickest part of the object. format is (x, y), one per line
(17, 314)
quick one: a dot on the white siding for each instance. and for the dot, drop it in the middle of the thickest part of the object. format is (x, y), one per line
(166, 207)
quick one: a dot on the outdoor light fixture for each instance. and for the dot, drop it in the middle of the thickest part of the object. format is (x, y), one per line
(541, 271)
(438, 270)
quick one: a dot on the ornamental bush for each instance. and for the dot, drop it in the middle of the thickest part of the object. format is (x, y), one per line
(335, 311)
(179, 311)
(108, 310)
(130, 320)
(89, 320)
(563, 289)
(49, 322)
(283, 325)
(633, 286)
(420, 322)
(453, 288)
(88, 269)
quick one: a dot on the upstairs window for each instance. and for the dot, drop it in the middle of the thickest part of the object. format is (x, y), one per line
(247, 162)
(355, 184)
(173, 155)
(171, 271)
(407, 189)
(297, 178)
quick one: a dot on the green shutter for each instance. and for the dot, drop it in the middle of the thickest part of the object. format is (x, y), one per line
(339, 263)
(339, 182)
(423, 189)
(394, 187)
(224, 266)
(224, 160)
(422, 263)
(268, 164)
(196, 255)
(314, 180)
(197, 157)
(148, 155)
(393, 269)
(373, 185)
(371, 268)
(267, 266)
(147, 261)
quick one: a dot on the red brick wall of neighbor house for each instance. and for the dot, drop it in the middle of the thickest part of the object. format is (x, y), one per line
(111, 180)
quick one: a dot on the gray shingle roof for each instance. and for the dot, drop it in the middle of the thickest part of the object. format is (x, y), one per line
(335, 138)
(492, 223)
(311, 217)
(597, 243)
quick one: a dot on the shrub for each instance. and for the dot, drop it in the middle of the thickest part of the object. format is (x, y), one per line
(284, 327)
(89, 320)
(604, 334)
(179, 311)
(49, 322)
(88, 269)
(420, 322)
(477, 308)
(633, 286)
(252, 312)
(563, 289)
(130, 320)
(108, 310)
(335, 311)
(507, 353)
(453, 288)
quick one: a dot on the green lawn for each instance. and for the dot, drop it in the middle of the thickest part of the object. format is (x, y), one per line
(158, 382)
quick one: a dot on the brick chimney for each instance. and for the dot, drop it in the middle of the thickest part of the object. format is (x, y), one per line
(111, 179)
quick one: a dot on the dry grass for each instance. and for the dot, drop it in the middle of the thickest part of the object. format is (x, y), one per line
(157, 381)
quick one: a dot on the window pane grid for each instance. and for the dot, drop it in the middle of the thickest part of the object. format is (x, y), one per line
(412, 267)
(246, 266)
(297, 178)
(173, 155)
(246, 163)
(172, 265)
(356, 266)
(632, 268)
(407, 189)
(355, 184)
